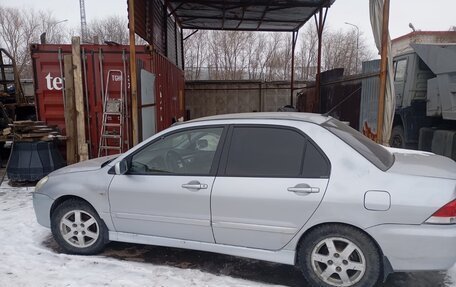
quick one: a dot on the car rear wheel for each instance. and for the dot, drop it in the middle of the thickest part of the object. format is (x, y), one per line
(337, 255)
(78, 229)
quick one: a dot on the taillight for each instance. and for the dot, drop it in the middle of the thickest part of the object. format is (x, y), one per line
(445, 215)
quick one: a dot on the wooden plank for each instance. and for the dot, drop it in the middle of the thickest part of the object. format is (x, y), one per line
(383, 72)
(133, 76)
(6, 131)
(83, 149)
(33, 135)
(70, 111)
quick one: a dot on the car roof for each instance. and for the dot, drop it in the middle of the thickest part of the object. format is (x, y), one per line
(294, 116)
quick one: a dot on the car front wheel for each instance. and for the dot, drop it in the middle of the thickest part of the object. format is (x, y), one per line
(337, 255)
(78, 229)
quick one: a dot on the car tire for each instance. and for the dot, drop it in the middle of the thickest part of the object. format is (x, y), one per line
(78, 229)
(397, 138)
(355, 262)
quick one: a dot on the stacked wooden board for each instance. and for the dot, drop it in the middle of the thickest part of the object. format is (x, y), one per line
(32, 131)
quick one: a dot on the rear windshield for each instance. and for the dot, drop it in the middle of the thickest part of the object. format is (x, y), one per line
(375, 153)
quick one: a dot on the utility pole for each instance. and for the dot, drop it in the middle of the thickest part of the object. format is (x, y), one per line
(357, 44)
(83, 21)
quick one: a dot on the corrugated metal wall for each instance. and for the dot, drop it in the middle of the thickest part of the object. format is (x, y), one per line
(369, 99)
(180, 55)
(171, 40)
(159, 28)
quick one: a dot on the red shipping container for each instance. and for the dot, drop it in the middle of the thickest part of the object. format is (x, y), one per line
(160, 88)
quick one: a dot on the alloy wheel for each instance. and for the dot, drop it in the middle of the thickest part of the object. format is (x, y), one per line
(338, 262)
(79, 228)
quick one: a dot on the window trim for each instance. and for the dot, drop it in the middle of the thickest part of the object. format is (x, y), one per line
(221, 172)
(215, 161)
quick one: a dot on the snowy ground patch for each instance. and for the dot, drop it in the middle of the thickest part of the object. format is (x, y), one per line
(30, 257)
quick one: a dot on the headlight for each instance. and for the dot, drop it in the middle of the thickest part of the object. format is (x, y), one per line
(41, 183)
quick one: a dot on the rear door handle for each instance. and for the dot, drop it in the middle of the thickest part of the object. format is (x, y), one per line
(303, 188)
(194, 184)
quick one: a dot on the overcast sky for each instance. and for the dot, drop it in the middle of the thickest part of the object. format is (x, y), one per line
(424, 14)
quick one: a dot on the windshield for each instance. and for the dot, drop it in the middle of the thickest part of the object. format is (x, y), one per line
(375, 153)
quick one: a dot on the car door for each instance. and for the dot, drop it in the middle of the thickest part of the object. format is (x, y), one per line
(166, 191)
(271, 180)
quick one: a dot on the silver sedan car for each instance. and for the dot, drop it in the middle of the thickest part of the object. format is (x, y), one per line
(293, 188)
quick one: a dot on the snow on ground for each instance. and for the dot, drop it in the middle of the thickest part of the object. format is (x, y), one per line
(26, 258)
(30, 257)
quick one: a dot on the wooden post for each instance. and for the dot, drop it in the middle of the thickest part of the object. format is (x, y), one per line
(383, 72)
(83, 150)
(133, 76)
(70, 112)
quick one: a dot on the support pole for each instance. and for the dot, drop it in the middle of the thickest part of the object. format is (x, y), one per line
(133, 76)
(294, 39)
(70, 112)
(320, 24)
(383, 71)
(83, 149)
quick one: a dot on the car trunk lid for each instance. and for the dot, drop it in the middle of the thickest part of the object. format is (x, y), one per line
(422, 164)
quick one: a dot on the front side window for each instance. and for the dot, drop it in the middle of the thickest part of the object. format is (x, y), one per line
(185, 152)
(265, 151)
(400, 69)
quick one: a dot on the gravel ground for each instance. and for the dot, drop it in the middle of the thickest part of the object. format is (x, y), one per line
(30, 257)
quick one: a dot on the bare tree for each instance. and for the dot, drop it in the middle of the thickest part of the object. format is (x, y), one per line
(234, 55)
(20, 28)
(307, 53)
(340, 51)
(112, 28)
(195, 54)
(54, 30)
(227, 54)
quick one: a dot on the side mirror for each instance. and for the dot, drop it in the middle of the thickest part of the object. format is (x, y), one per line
(121, 167)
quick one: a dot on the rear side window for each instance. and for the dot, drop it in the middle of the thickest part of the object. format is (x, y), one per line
(373, 152)
(272, 152)
(315, 164)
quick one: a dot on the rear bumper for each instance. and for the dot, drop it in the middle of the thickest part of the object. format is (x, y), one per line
(417, 247)
(42, 206)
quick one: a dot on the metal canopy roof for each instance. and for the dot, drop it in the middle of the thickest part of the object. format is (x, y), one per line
(263, 15)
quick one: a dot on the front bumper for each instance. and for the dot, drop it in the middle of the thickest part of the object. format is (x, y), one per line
(42, 205)
(417, 247)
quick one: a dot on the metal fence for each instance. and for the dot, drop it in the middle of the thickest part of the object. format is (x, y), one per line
(352, 99)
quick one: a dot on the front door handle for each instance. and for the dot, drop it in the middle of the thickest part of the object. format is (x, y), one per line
(303, 188)
(194, 184)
